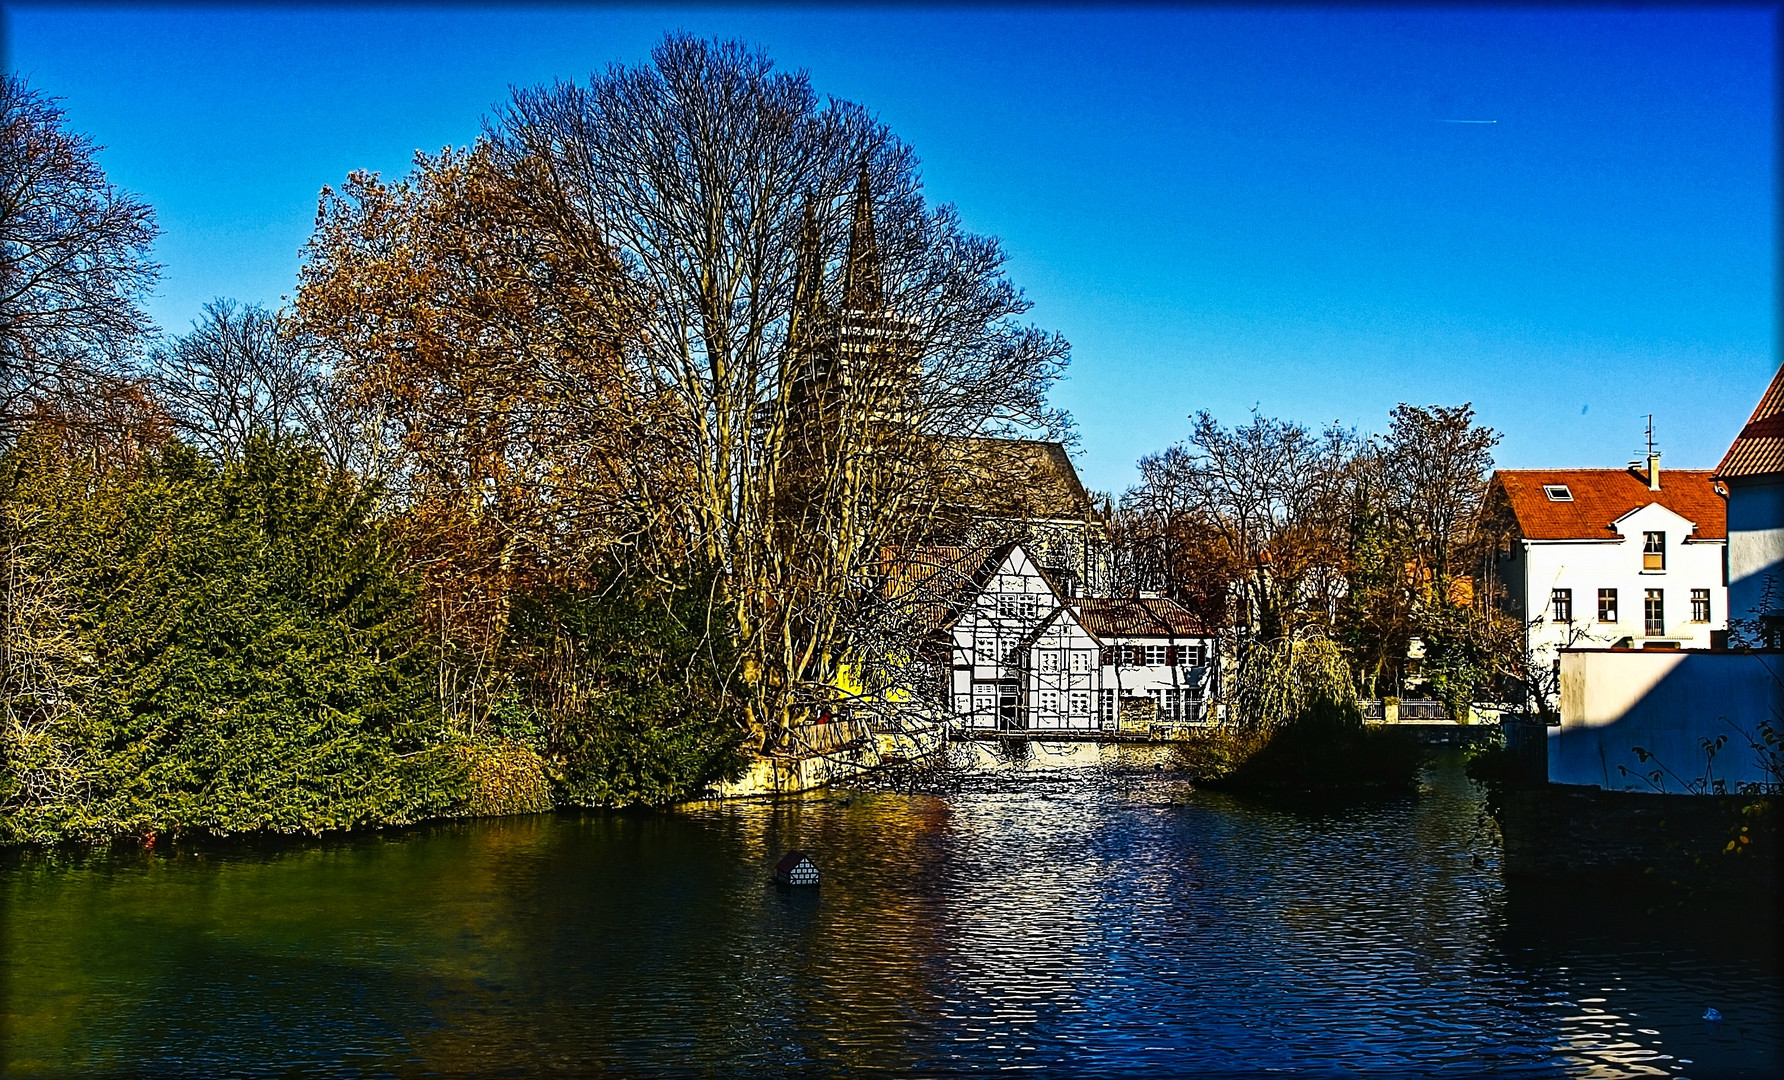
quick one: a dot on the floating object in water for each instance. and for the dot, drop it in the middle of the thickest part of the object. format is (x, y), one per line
(795, 868)
(1712, 1015)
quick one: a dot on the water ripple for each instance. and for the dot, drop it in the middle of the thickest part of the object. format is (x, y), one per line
(1078, 920)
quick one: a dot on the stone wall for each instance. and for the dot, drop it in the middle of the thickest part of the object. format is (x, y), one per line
(1567, 832)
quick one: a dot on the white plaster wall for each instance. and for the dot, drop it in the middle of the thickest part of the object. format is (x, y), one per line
(1755, 548)
(1587, 566)
(1062, 663)
(1137, 680)
(982, 632)
(1666, 703)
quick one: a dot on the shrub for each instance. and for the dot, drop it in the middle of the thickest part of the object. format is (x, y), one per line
(238, 652)
(503, 777)
(645, 716)
(1324, 750)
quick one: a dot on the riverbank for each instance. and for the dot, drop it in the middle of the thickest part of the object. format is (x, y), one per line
(1690, 844)
(1108, 919)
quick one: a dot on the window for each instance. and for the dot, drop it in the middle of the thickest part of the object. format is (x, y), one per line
(1700, 605)
(1654, 613)
(1607, 605)
(1080, 661)
(1557, 492)
(1653, 551)
(1049, 702)
(1167, 709)
(1080, 702)
(1193, 655)
(1049, 662)
(1561, 605)
(1192, 704)
(1132, 655)
(1018, 606)
(1105, 705)
(984, 702)
(1154, 655)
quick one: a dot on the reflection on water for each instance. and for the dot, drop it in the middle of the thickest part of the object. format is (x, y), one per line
(1076, 916)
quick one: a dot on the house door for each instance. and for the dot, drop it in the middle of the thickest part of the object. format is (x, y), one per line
(1009, 714)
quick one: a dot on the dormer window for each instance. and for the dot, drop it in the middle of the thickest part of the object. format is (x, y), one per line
(1654, 551)
(1557, 492)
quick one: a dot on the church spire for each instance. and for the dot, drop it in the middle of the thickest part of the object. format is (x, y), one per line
(808, 274)
(861, 287)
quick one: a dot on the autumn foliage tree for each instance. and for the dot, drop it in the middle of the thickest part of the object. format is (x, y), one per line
(1366, 544)
(482, 333)
(732, 198)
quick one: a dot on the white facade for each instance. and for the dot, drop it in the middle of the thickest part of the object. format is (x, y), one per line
(1023, 660)
(988, 684)
(1656, 585)
(1755, 548)
(1667, 721)
(1169, 678)
(1061, 676)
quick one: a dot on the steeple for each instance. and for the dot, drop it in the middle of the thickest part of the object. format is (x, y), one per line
(808, 281)
(861, 288)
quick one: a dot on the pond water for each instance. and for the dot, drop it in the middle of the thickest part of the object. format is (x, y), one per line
(1076, 920)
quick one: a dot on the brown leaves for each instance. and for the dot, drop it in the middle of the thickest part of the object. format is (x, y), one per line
(483, 333)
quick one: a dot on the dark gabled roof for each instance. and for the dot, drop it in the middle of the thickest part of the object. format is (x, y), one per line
(1024, 478)
(790, 860)
(1759, 449)
(1601, 496)
(1138, 617)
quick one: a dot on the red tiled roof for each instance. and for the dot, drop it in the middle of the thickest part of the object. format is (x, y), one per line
(1759, 449)
(940, 582)
(1601, 496)
(1133, 617)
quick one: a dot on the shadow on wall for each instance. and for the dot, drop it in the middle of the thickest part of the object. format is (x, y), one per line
(1680, 722)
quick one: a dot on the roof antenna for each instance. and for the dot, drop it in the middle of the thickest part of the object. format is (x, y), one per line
(1653, 458)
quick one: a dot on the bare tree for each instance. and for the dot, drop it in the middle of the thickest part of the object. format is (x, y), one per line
(782, 248)
(1435, 464)
(240, 369)
(74, 260)
(1267, 503)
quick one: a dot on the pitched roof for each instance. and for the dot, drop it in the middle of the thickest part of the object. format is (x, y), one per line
(941, 581)
(1016, 477)
(1063, 610)
(1759, 449)
(1601, 496)
(1123, 616)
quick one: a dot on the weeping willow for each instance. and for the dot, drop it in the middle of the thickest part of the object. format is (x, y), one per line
(1279, 681)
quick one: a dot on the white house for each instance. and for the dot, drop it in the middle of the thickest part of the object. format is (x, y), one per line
(1025, 657)
(1000, 605)
(1752, 472)
(1157, 660)
(1613, 558)
(1061, 676)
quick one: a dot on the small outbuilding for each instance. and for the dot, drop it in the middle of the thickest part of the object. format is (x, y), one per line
(796, 868)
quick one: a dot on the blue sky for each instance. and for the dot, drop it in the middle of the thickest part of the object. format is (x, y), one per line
(1220, 208)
